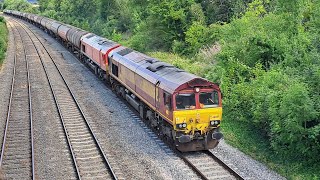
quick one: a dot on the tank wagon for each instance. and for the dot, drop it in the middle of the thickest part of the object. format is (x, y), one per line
(74, 36)
(184, 108)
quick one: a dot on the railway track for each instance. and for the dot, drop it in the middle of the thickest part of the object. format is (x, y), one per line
(89, 160)
(17, 153)
(204, 163)
(208, 166)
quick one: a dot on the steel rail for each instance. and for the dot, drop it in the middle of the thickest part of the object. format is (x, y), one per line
(193, 167)
(31, 115)
(9, 105)
(30, 107)
(198, 171)
(58, 108)
(78, 106)
(235, 174)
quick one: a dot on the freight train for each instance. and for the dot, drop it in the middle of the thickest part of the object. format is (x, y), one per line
(182, 107)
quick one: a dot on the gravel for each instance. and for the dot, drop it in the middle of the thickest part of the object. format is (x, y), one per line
(133, 150)
(52, 158)
(6, 73)
(247, 167)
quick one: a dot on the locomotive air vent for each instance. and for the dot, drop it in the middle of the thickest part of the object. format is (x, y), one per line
(104, 42)
(90, 36)
(158, 65)
(151, 61)
(124, 52)
(178, 70)
(100, 41)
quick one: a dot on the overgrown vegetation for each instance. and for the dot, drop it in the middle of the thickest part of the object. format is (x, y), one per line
(21, 5)
(264, 54)
(3, 39)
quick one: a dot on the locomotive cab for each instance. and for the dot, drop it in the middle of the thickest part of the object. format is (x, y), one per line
(197, 113)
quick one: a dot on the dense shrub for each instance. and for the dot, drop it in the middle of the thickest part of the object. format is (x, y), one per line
(19, 5)
(269, 72)
(281, 107)
(3, 39)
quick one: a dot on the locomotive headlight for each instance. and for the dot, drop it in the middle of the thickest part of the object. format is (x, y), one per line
(215, 122)
(182, 125)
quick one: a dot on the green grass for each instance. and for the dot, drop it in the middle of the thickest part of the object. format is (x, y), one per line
(245, 137)
(187, 64)
(3, 39)
(251, 142)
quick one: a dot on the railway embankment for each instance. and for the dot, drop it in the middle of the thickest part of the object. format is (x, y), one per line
(3, 39)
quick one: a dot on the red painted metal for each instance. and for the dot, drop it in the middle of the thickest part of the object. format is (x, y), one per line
(106, 56)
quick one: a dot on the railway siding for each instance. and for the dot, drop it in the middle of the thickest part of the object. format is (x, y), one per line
(89, 159)
(51, 151)
(17, 160)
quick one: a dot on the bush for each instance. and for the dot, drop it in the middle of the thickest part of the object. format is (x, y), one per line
(3, 40)
(2, 19)
(197, 36)
(282, 109)
(290, 116)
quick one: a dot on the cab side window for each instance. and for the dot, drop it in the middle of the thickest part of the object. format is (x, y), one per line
(167, 100)
(83, 48)
(115, 69)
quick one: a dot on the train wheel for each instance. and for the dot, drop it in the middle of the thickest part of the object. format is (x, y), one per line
(101, 74)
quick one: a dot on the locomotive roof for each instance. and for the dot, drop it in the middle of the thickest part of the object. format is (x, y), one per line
(98, 42)
(154, 70)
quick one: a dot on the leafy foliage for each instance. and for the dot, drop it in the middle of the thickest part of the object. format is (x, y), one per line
(268, 69)
(3, 39)
(264, 54)
(20, 5)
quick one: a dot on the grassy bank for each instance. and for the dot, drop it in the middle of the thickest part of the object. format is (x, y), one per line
(250, 141)
(244, 136)
(3, 39)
